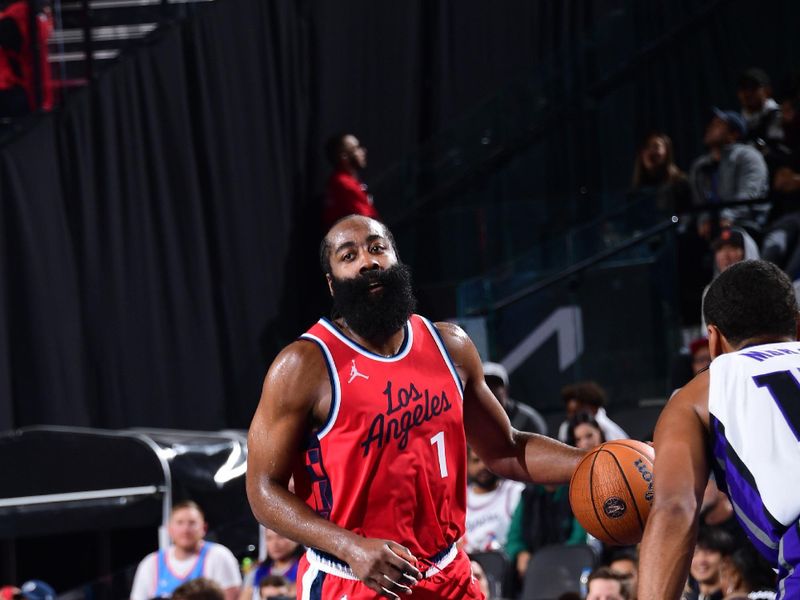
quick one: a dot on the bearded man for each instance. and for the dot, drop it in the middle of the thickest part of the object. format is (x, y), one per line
(371, 412)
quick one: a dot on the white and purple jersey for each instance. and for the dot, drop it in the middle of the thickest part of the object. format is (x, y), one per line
(754, 414)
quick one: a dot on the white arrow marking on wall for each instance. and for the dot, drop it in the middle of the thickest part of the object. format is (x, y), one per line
(567, 323)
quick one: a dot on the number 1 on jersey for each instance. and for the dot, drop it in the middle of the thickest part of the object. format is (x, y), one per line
(438, 439)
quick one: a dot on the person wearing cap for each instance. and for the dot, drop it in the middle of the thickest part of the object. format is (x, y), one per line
(760, 111)
(522, 416)
(730, 171)
(731, 246)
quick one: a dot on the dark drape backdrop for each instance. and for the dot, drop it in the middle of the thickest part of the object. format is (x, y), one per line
(144, 229)
(159, 232)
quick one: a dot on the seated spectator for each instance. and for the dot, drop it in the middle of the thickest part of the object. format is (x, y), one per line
(198, 589)
(543, 517)
(605, 584)
(274, 586)
(283, 558)
(491, 502)
(731, 170)
(626, 562)
(745, 574)
(522, 416)
(733, 245)
(589, 397)
(704, 572)
(190, 556)
(655, 171)
(17, 74)
(760, 111)
(344, 192)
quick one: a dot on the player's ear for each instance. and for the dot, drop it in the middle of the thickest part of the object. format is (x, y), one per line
(715, 345)
(329, 279)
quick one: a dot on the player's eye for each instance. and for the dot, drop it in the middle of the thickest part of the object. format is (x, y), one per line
(378, 248)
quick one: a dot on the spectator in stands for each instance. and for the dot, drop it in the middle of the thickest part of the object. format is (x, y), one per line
(731, 170)
(522, 416)
(283, 558)
(345, 194)
(543, 517)
(18, 81)
(584, 431)
(190, 556)
(655, 172)
(605, 584)
(590, 397)
(704, 573)
(745, 574)
(732, 245)
(275, 586)
(198, 589)
(626, 562)
(491, 502)
(761, 113)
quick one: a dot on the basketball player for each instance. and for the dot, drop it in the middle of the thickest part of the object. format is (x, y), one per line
(741, 417)
(368, 412)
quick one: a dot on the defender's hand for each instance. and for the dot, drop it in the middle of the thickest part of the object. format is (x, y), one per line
(384, 566)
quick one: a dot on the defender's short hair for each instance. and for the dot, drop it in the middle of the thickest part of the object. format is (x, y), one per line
(751, 299)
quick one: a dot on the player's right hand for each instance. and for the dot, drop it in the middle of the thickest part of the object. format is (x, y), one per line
(384, 566)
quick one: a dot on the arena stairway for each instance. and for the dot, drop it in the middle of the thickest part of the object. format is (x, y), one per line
(113, 24)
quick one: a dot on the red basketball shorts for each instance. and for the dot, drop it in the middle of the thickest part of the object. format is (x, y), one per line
(453, 582)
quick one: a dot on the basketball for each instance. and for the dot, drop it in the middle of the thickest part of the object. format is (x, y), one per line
(611, 491)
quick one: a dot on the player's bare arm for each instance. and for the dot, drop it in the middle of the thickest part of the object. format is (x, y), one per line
(295, 399)
(509, 453)
(681, 469)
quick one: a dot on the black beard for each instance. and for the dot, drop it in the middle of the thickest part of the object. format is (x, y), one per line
(486, 480)
(375, 316)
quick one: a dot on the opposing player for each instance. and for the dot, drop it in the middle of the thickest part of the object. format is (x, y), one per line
(740, 417)
(368, 412)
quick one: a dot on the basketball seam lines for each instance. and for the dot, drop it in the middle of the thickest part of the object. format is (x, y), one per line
(628, 485)
(591, 494)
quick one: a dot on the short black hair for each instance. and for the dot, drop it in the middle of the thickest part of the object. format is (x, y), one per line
(607, 573)
(199, 589)
(585, 392)
(753, 568)
(325, 247)
(715, 539)
(752, 299)
(333, 147)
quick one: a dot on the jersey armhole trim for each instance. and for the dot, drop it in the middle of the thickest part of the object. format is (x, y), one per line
(333, 412)
(437, 337)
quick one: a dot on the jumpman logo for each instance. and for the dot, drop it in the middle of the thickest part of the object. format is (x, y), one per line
(354, 373)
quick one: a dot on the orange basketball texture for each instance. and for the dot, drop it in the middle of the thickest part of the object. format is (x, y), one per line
(611, 491)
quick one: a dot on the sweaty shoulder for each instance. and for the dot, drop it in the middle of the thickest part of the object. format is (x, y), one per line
(298, 378)
(461, 350)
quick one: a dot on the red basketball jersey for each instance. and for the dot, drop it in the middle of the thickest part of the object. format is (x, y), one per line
(391, 460)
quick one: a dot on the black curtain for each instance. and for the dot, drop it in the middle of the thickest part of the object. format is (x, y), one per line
(145, 229)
